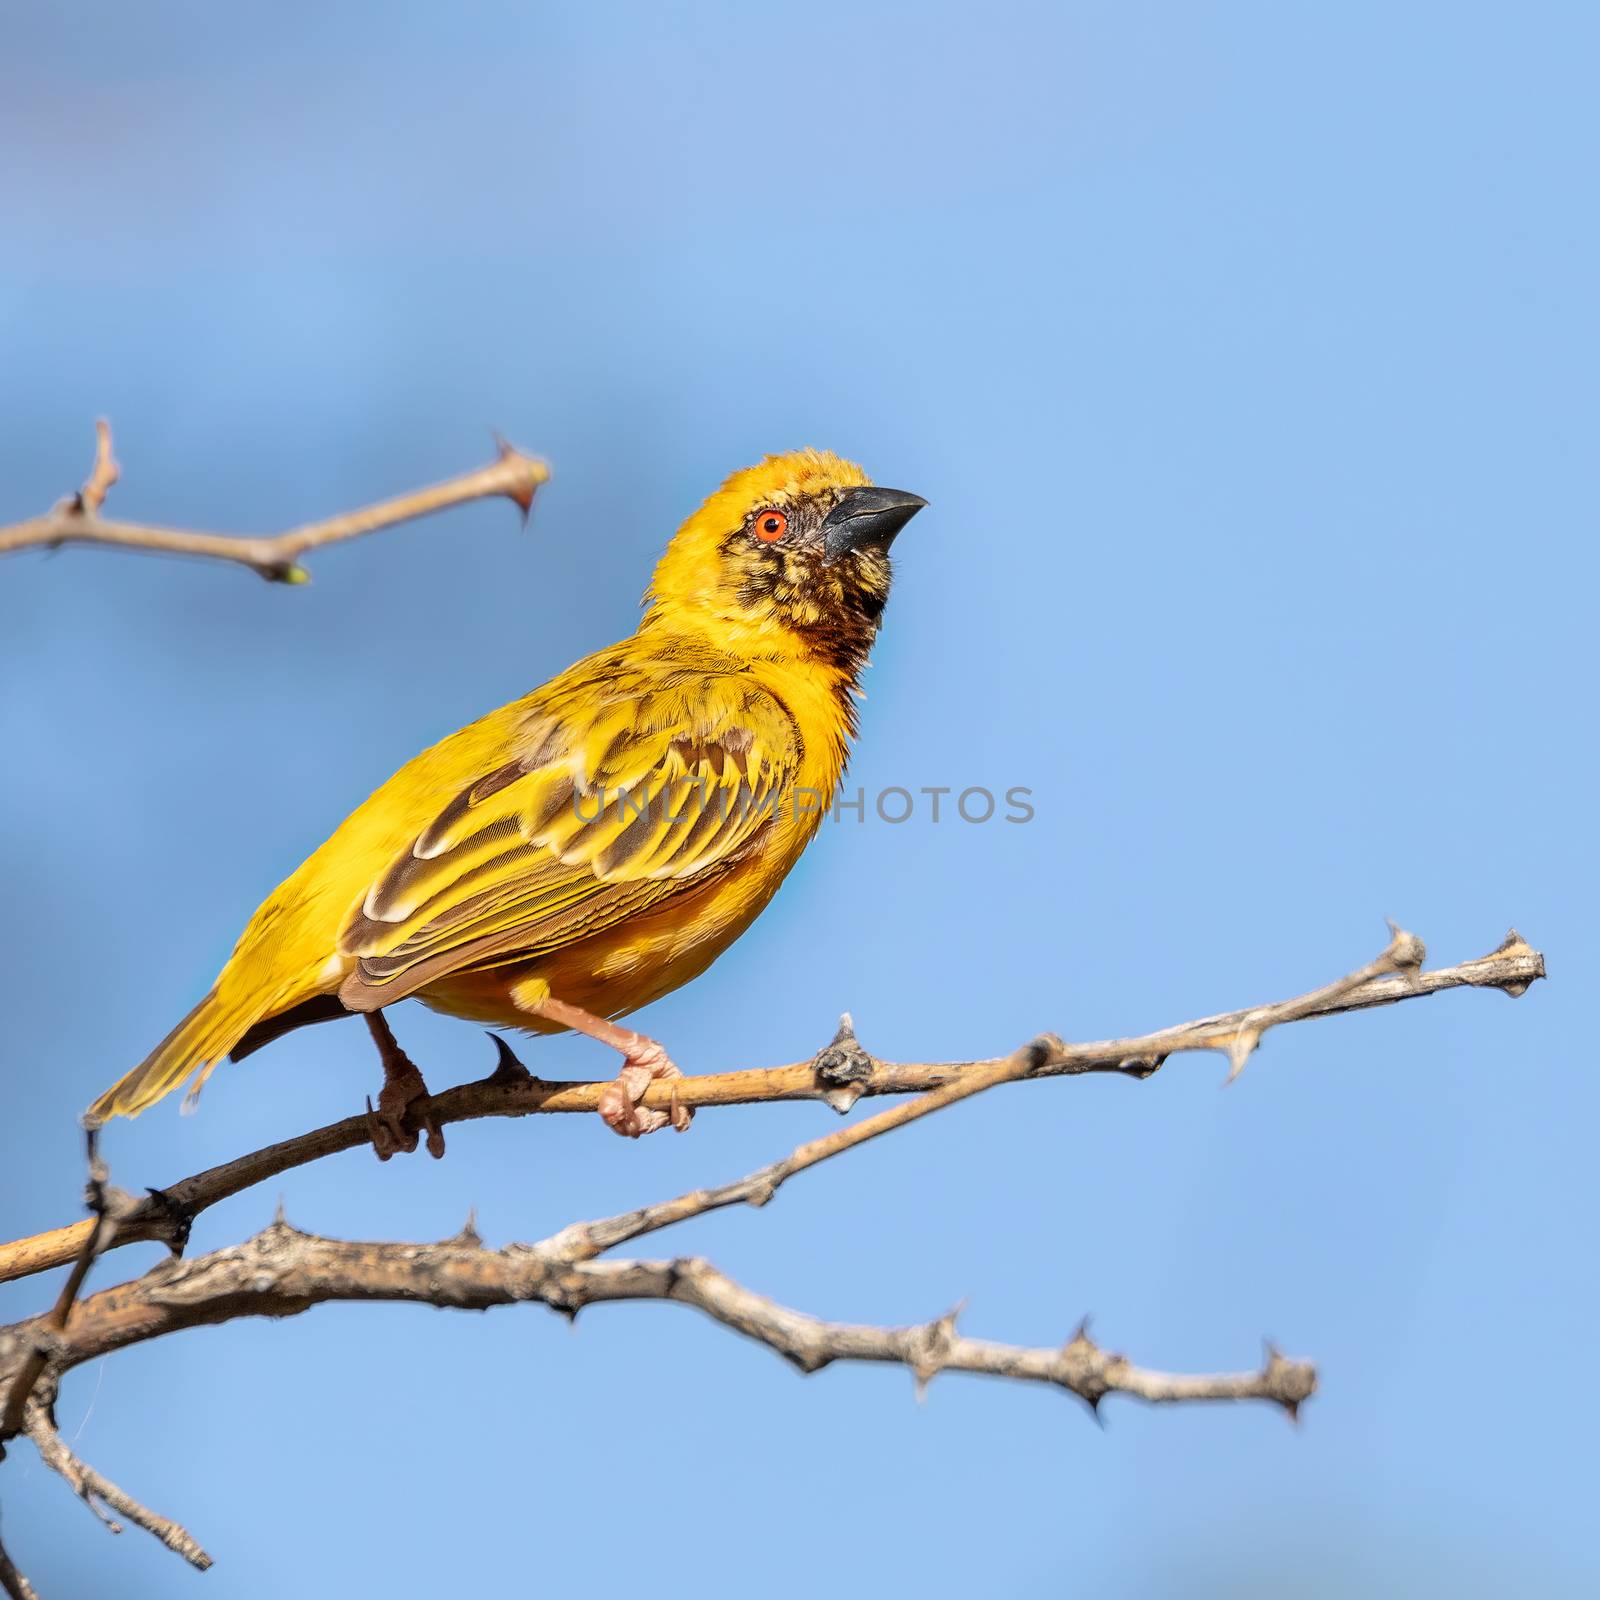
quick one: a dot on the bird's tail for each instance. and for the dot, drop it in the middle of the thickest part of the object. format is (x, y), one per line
(192, 1049)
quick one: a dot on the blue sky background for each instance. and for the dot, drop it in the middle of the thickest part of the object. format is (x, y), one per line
(1247, 355)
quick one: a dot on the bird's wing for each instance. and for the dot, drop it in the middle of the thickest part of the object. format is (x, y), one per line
(606, 812)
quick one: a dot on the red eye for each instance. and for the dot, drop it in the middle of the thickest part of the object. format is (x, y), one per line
(771, 526)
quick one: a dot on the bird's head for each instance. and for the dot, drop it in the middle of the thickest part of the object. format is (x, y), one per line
(789, 557)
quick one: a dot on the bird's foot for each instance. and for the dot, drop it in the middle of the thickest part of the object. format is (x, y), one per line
(390, 1125)
(644, 1063)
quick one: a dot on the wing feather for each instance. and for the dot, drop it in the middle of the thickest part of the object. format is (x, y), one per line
(601, 816)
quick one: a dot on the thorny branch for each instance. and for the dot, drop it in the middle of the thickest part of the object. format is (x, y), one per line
(839, 1075)
(77, 519)
(282, 1271)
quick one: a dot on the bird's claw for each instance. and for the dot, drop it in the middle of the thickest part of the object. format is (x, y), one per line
(388, 1126)
(384, 1140)
(619, 1101)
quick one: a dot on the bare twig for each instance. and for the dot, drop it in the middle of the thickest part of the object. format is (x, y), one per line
(77, 519)
(97, 1491)
(584, 1240)
(97, 1232)
(1079, 1366)
(102, 476)
(839, 1075)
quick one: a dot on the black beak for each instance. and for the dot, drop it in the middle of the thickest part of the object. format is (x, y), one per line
(867, 519)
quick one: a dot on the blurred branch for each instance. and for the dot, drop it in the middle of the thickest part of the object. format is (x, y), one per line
(77, 519)
(839, 1075)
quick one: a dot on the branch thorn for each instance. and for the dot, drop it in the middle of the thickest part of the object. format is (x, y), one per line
(1287, 1382)
(179, 1219)
(1240, 1047)
(468, 1236)
(521, 494)
(102, 475)
(508, 1066)
(1515, 944)
(1406, 951)
(1141, 1066)
(843, 1067)
(290, 572)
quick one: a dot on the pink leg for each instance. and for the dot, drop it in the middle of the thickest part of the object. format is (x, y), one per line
(643, 1063)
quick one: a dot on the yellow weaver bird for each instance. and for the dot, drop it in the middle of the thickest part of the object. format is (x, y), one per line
(589, 847)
